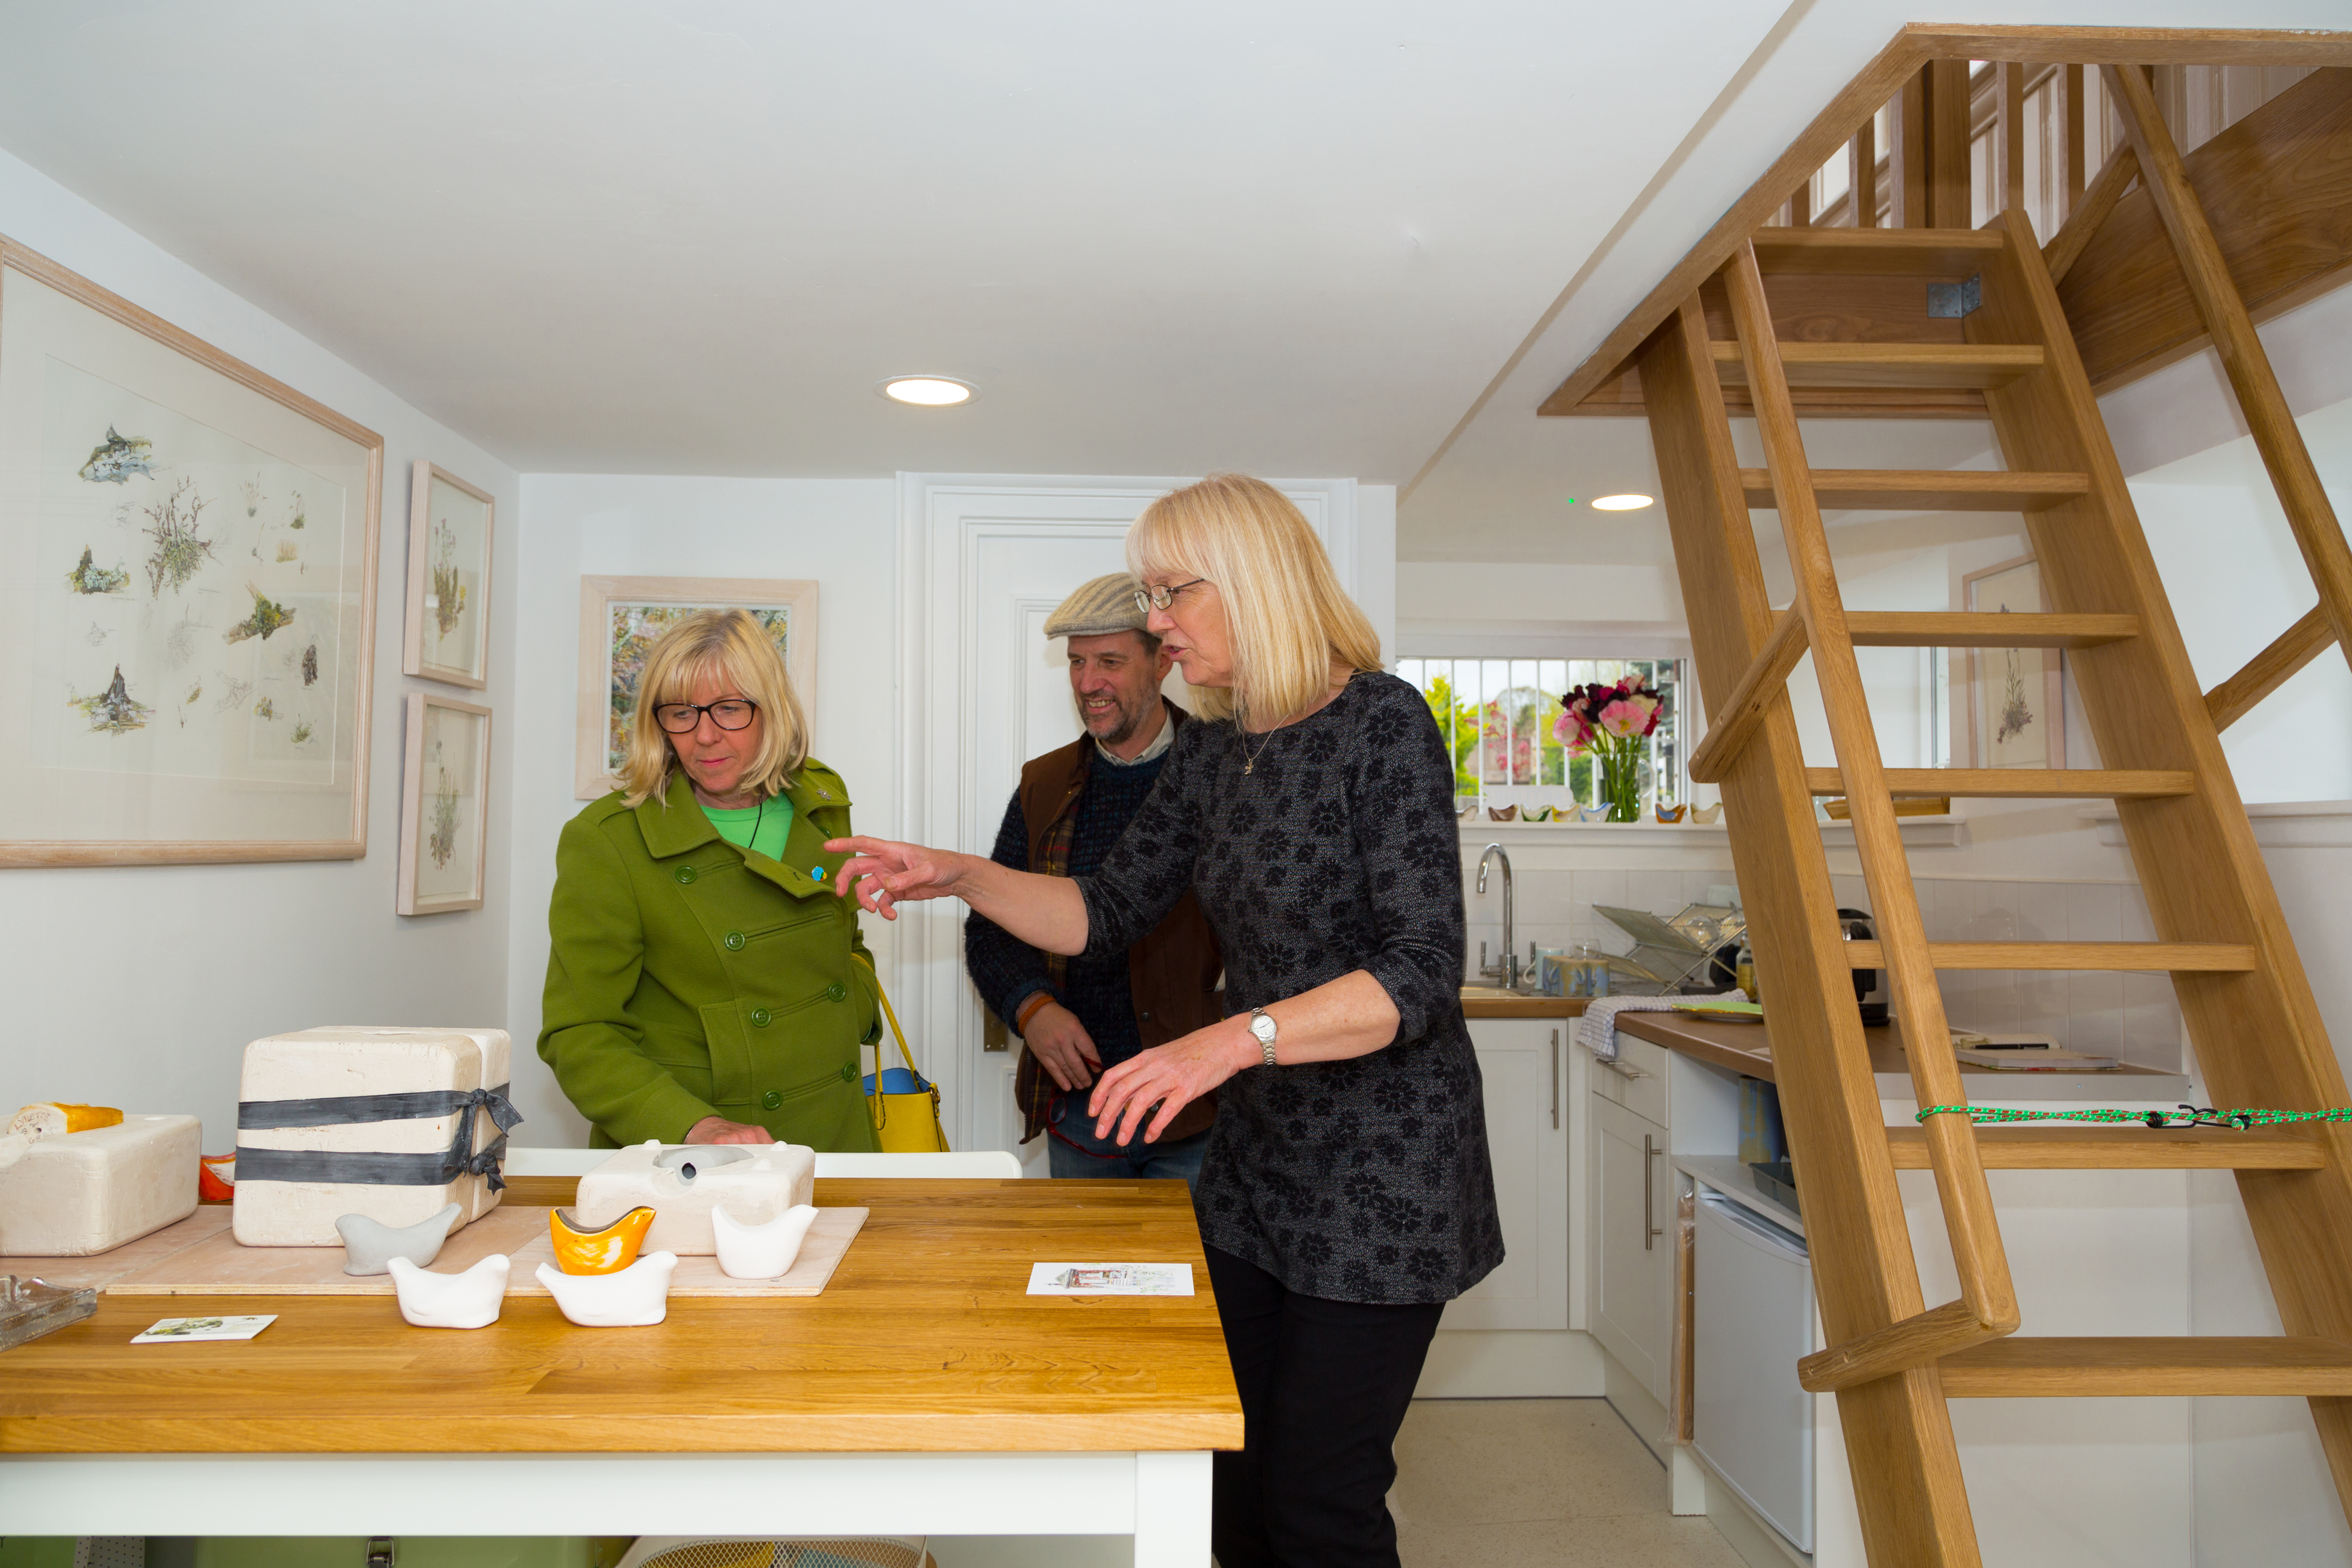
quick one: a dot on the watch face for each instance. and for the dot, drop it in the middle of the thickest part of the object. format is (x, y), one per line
(1262, 1027)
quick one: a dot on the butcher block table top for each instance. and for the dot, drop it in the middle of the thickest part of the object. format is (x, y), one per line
(925, 1340)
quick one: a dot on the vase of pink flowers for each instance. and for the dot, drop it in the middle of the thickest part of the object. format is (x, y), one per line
(1612, 724)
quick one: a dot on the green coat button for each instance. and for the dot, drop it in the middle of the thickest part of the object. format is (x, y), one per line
(836, 991)
(772, 1099)
(684, 873)
(734, 942)
(848, 1072)
(759, 1017)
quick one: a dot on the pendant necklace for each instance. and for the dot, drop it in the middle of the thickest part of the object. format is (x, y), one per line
(1249, 758)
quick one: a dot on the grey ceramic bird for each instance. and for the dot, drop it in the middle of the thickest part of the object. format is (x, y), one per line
(370, 1246)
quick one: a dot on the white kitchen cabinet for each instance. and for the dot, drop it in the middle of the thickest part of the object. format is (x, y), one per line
(1524, 1062)
(1632, 1245)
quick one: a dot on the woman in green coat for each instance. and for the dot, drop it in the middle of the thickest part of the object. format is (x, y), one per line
(704, 985)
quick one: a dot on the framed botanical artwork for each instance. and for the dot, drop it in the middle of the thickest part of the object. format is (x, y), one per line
(449, 524)
(444, 826)
(187, 593)
(621, 619)
(2017, 706)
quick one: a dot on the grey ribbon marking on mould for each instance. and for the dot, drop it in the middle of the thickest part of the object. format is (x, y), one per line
(459, 1159)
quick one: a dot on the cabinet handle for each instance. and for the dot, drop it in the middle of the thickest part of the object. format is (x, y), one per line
(1650, 1233)
(1621, 1068)
(1555, 1078)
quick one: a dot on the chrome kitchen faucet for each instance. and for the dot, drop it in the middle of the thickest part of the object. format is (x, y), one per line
(1508, 970)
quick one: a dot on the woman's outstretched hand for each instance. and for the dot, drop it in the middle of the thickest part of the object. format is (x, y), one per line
(882, 873)
(1171, 1077)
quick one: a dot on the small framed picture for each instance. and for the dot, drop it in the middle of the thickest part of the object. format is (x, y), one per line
(621, 619)
(2017, 704)
(449, 527)
(444, 828)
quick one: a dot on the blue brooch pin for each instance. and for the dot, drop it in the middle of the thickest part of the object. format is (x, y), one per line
(817, 875)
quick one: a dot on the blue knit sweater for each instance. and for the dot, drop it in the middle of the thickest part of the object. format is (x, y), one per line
(1008, 971)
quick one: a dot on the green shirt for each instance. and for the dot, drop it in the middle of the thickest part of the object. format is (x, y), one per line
(773, 821)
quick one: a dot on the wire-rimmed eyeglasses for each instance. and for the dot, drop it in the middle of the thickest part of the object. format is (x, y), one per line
(685, 718)
(1150, 599)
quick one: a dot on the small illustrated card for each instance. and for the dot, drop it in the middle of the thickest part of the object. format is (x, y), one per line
(174, 1331)
(1110, 1279)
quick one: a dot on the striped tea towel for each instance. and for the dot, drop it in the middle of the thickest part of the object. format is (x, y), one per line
(1596, 1031)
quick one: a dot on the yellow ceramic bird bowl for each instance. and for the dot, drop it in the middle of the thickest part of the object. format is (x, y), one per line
(606, 1251)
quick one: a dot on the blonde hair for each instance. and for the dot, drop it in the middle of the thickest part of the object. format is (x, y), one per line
(737, 650)
(1286, 618)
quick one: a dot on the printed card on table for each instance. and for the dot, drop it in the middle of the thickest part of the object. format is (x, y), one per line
(176, 1330)
(1110, 1279)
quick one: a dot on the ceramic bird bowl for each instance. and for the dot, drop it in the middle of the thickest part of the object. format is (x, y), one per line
(1503, 813)
(1535, 814)
(1593, 813)
(582, 1249)
(467, 1300)
(634, 1297)
(1670, 813)
(761, 1251)
(370, 1244)
(1706, 815)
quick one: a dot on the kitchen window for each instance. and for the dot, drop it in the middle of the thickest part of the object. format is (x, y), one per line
(1496, 717)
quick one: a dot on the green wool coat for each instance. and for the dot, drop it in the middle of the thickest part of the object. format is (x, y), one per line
(689, 978)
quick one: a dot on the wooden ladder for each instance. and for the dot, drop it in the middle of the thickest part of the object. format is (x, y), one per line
(1894, 1361)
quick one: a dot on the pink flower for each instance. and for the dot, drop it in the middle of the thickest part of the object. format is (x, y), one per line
(1629, 716)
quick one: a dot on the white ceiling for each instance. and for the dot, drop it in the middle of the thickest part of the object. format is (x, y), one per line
(663, 238)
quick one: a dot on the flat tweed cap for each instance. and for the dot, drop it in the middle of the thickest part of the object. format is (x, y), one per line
(1103, 606)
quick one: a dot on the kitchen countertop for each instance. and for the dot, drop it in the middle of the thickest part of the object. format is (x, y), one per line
(1746, 1049)
(1494, 1002)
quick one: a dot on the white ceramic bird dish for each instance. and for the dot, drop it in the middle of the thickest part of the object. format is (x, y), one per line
(761, 1251)
(683, 1183)
(370, 1244)
(634, 1297)
(467, 1300)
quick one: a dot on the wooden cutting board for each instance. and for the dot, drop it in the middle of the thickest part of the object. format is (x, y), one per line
(217, 1266)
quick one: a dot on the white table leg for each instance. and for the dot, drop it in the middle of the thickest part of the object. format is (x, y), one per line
(1171, 1511)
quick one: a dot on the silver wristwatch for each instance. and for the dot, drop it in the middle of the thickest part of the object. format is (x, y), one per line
(1260, 1024)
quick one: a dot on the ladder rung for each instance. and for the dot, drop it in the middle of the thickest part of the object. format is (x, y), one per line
(2029, 1367)
(1952, 253)
(1924, 490)
(2123, 1148)
(2167, 957)
(1978, 628)
(2021, 784)
(1978, 365)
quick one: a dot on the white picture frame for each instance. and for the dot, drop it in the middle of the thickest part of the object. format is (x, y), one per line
(187, 593)
(619, 617)
(444, 800)
(451, 525)
(2016, 697)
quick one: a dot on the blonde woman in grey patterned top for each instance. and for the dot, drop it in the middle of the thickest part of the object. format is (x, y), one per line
(1345, 1194)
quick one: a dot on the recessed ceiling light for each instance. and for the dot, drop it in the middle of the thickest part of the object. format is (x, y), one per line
(1623, 503)
(928, 391)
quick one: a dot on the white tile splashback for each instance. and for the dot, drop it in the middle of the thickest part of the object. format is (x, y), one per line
(2130, 1015)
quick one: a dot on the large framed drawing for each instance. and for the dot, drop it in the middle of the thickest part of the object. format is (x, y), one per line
(187, 593)
(2017, 702)
(449, 527)
(443, 819)
(622, 617)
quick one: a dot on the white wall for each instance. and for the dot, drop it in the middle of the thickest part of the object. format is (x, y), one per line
(842, 532)
(139, 987)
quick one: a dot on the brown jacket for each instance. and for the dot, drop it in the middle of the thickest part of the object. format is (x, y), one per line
(1173, 971)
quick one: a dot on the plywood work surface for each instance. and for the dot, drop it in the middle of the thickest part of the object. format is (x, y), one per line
(102, 1269)
(217, 1266)
(925, 1340)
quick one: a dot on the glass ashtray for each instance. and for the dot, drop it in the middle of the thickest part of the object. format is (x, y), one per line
(31, 1308)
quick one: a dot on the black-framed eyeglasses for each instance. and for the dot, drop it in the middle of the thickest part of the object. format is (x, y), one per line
(1150, 599)
(685, 718)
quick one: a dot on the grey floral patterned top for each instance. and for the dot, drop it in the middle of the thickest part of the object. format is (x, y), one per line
(1365, 1180)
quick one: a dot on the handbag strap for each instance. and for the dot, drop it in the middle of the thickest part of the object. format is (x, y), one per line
(891, 1013)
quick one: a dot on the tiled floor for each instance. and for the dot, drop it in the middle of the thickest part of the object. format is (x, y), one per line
(1542, 1483)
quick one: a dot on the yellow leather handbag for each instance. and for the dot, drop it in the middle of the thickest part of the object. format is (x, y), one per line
(904, 1105)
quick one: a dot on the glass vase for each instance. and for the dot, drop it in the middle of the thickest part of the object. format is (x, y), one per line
(1620, 786)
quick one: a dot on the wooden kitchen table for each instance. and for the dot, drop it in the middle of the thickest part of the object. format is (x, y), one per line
(923, 1392)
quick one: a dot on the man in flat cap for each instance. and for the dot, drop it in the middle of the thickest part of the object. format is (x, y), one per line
(1077, 1017)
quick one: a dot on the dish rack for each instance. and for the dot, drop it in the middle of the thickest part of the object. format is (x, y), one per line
(1674, 954)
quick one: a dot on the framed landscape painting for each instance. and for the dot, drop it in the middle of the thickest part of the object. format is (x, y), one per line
(449, 526)
(187, 591)
(621, 619)
(2017, 704)
(444, 828)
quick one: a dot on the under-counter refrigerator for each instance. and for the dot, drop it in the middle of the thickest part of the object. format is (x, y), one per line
(1752, 1314)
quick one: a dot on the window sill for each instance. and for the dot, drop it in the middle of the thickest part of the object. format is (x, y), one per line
(2278, 824)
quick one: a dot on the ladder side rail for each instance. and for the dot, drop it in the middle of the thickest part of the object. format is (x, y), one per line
(2259, 1037)
(2270, 422)
(1913, 1502)
(1966, 1199)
